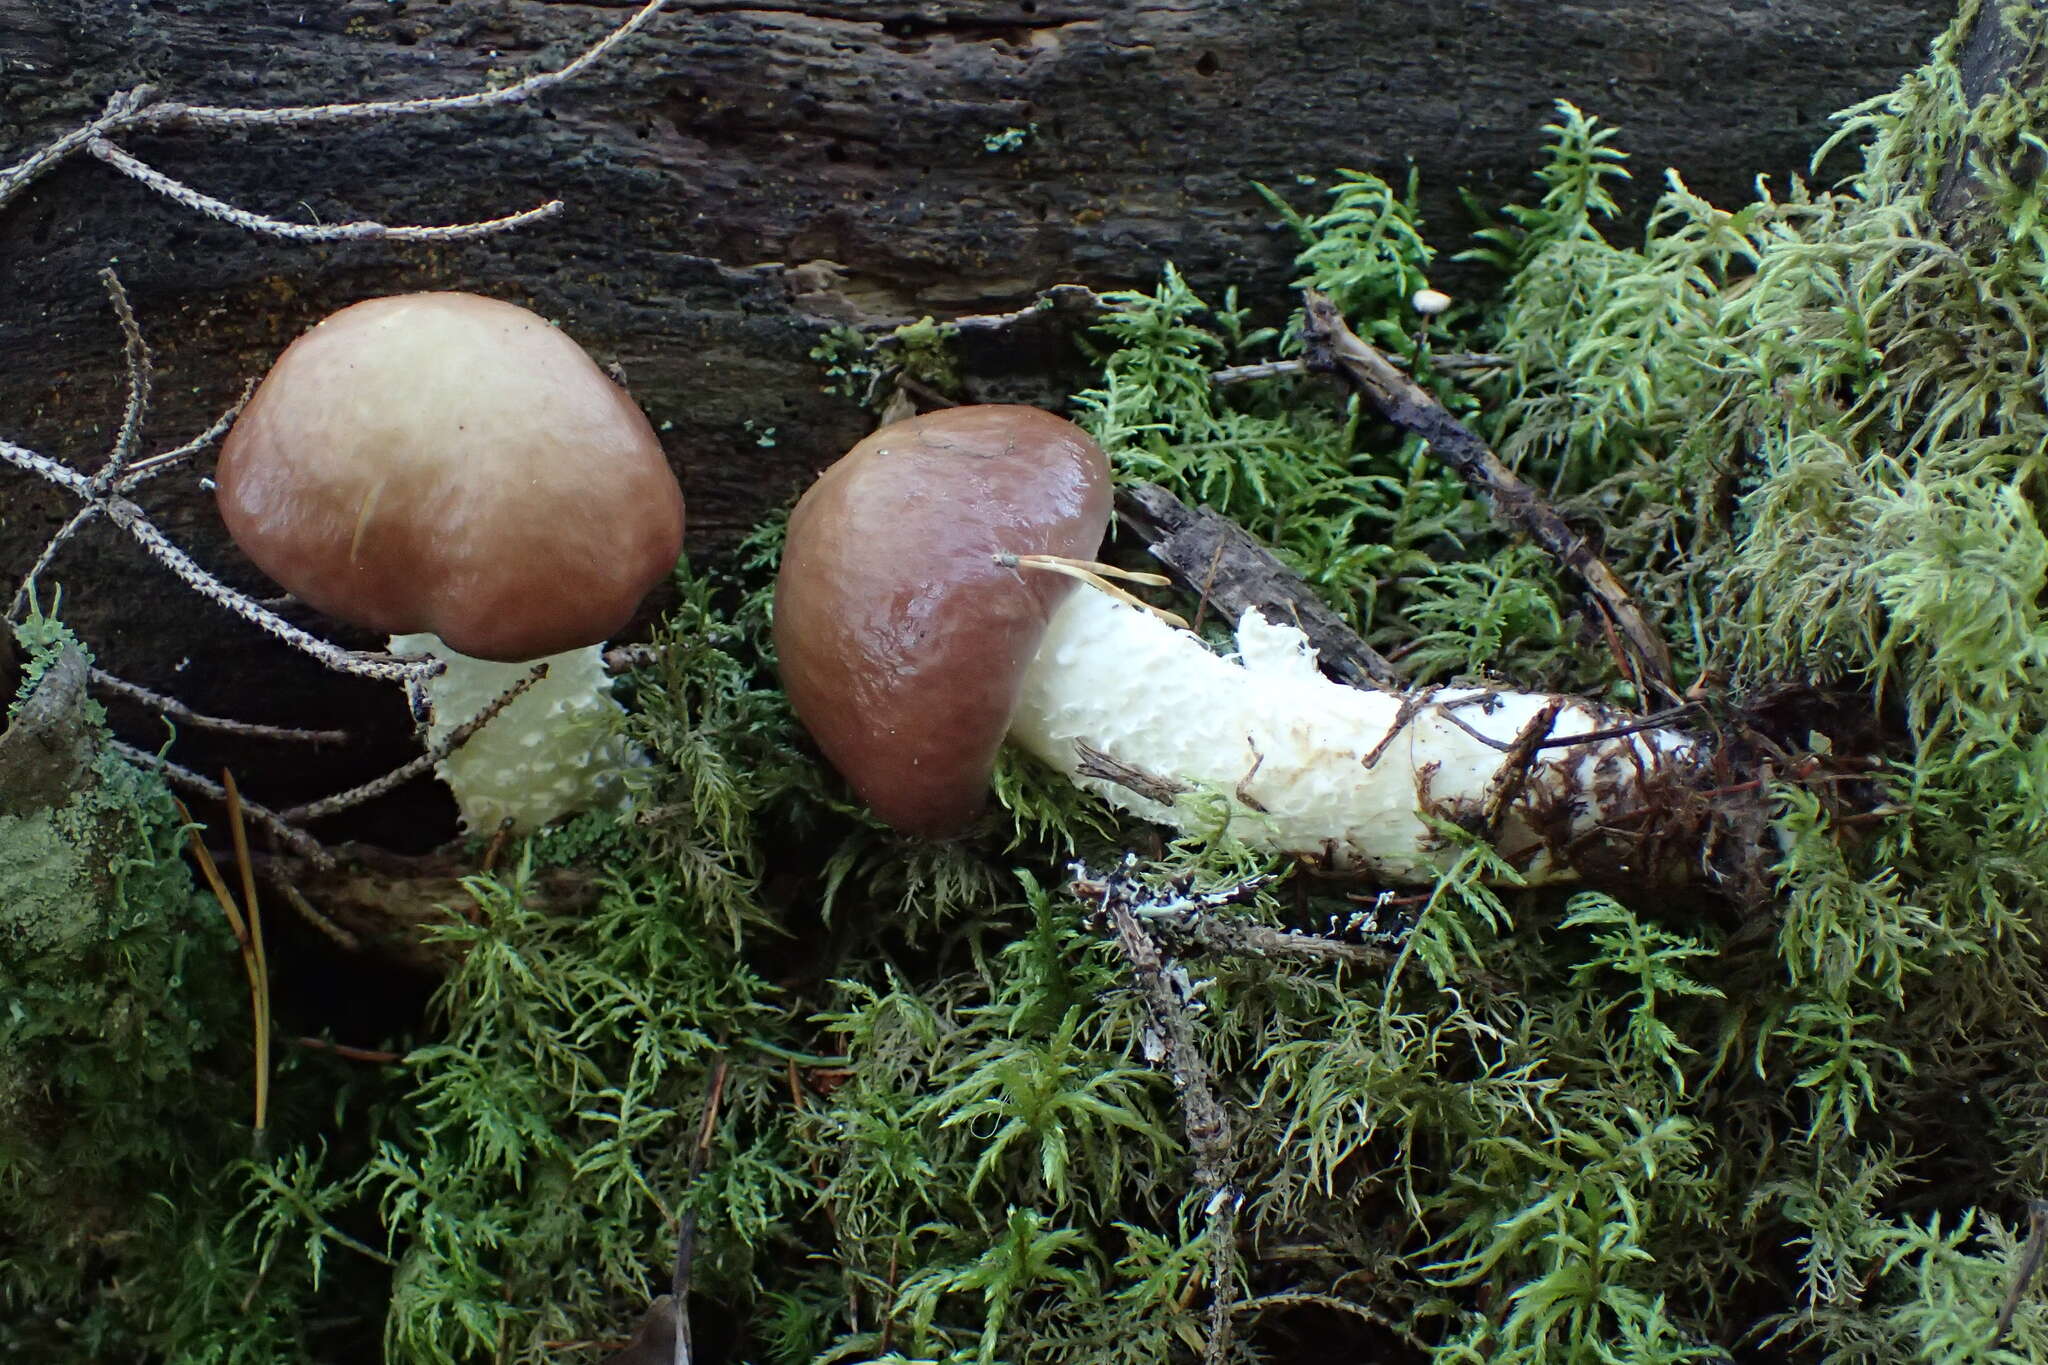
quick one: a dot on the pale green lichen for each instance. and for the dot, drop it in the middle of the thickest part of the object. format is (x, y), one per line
(117, 985)
(46, 883)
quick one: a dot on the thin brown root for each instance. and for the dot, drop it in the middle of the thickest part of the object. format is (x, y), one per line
(247, 926)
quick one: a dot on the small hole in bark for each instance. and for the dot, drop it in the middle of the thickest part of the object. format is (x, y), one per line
(1029, 6)
(1207, 65)
(835, 153)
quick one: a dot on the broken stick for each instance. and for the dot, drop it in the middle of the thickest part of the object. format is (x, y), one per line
(1213, 558)
(1334, 348)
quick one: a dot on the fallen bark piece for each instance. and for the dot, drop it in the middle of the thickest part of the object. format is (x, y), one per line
(1215, 559)
(46, 749)
(1351, 779)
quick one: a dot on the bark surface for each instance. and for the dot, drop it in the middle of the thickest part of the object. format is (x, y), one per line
(742, 177)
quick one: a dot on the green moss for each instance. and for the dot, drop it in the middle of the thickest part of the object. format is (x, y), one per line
(125, 1084)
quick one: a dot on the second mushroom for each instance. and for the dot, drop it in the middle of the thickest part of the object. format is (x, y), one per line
(916, 629)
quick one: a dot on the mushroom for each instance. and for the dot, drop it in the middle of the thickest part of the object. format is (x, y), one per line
(914, 633)
(901, 641)
(454, 470)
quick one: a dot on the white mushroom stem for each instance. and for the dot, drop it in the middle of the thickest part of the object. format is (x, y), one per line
(553, 750)
(1150, 719)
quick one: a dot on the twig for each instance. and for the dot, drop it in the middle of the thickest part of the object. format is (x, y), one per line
(1170, 1037)
(1412, 705)
(177, 191)
(36, 570)
(239, 834)
(924, 393)
(1469, 362)
(1067, 302)
(686, 1221)
(1217, 560)
(297, 900)
(1103, 767)
(663, 1337)
(381, 667)
(1655, 721)
(1300, 1298)
(189, 116)
(1183, 917)
(119, 112)
(1242, 938)
(185, 715)
(354, 1054)
(1095, 576)
(144, 470)
(138, 108)
(1269, 369)
(247, 926)
(1448, 711)
(135, 354)
(406, 772)
(1334, 347)
(302, 843)
(1452, 363)
(1513, 774)
(2023, 1274)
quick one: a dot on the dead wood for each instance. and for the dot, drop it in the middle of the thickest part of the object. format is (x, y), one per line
(738, 179)
(46, 752)
(1214, 558)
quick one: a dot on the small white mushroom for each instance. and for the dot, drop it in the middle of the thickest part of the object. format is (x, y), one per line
(1429, 302)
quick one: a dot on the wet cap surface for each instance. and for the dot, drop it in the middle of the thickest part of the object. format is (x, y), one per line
(453, 464)
(902, 643)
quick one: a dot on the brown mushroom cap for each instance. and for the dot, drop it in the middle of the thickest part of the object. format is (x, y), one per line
(902, 643)
(453, 464)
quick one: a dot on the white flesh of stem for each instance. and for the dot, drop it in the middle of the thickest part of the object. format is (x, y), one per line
(1286, 748)
(553, 750)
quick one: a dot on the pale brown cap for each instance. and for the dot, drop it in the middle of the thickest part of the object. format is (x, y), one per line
(902, 644)
(454, 464)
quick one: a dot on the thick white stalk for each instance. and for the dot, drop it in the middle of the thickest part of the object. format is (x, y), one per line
(1347, 777)
(553, 750)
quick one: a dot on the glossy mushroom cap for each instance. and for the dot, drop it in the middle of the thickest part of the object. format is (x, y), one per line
(902, 643)
(453, 464)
